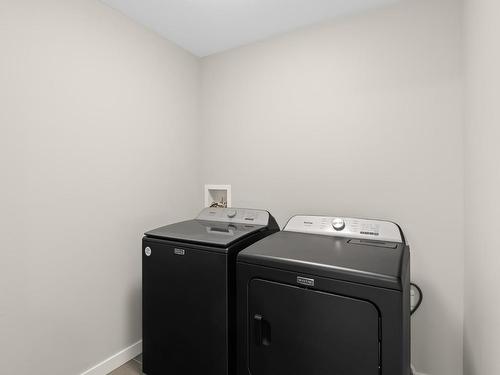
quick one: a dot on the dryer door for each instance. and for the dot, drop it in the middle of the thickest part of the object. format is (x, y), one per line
(297, 331)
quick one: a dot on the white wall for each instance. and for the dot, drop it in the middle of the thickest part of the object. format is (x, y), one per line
(359, 117)
(99, 142)
(482, 256)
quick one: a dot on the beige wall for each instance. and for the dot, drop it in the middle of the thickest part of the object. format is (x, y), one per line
(360, 117)
(99, 142)
(482, 256)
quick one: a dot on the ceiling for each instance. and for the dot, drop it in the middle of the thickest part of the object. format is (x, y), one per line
(204, 27)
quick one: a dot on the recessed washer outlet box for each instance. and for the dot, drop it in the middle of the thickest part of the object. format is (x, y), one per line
(217, 195)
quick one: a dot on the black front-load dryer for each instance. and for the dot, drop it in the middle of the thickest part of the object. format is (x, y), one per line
(188, 290)
(326, 296)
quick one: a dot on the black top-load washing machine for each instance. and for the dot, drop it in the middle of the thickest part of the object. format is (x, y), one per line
(325, 296)
(188, 285)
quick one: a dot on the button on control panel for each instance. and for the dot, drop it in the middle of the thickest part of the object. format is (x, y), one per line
(378, 230)
(235, 215)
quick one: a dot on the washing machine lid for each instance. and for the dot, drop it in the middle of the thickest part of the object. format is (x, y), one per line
(219, 227)
(358, 258)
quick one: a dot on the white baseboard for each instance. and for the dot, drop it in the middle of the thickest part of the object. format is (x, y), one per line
(116, 360)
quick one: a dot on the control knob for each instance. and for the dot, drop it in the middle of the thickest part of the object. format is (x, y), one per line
(338, 223)
(231, 213)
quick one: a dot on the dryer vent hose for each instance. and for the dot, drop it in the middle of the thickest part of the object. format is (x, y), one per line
(416, 288)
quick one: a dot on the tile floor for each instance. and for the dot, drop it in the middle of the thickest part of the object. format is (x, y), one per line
(133, 367)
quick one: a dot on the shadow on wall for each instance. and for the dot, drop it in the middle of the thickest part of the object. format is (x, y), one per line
(424, 318)
(133, 330)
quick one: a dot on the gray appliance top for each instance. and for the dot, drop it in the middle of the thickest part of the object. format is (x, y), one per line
(215, 226)
(362, 258)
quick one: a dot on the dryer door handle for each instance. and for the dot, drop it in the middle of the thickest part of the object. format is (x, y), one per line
(257, 324)
(262, 331)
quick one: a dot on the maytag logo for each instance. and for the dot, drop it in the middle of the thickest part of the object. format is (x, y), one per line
(305, 281)
(179, 251)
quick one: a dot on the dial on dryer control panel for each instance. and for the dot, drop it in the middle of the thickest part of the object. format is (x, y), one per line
(338, 223)
(345, 227)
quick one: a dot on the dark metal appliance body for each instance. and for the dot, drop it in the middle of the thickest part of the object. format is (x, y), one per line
(188, 275)
(317, 300)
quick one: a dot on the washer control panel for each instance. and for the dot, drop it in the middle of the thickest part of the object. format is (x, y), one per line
(377, 230)
(235, 215)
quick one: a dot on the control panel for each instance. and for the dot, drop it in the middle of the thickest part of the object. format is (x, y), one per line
(235, 215)
(345, 227)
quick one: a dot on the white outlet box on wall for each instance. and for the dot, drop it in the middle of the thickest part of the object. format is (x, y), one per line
(218, 194)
